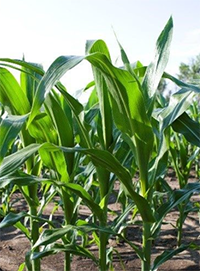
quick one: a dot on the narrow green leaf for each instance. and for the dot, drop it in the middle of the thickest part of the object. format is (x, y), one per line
(9, 129)
(176, 197)
(63, 126)
(12, 162)
(93, 46)
(58, 68)
(30, 66)
(29, 80)
(24, 180)
(71, 248)
(179, 102)
(11, 218)
(167, 255)
(155, 70)
(21, 267)
(42, 129)
(85, 196)
(78, 112)
(102, 91)
(12, 95)
(49, 236)
(188, 127)
(181, 83)
(23, 229)
(55, 160)
(120, 220)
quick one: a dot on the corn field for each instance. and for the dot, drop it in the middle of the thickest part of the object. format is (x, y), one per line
(53, 146)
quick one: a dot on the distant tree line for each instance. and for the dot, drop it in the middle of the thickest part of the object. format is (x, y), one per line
(189, 73)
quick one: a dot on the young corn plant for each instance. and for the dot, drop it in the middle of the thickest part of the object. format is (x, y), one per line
(183, 156)
(17, 99)
(63, 165)
(132, 106)
(58, 117)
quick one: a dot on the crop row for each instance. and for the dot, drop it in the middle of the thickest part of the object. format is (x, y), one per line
(54, 146)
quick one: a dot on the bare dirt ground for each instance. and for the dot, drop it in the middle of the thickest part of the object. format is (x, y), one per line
(14, 245)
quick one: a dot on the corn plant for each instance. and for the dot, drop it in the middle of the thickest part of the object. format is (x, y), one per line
(64, 166)
(17, 100)
(124, 127)
(183, 156)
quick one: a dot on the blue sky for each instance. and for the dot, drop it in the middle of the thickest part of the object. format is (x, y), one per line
(42, 30)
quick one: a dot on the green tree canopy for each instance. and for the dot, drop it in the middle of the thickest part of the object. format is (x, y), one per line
(190, 72)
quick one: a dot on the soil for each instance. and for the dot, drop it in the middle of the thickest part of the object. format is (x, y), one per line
(14, 245)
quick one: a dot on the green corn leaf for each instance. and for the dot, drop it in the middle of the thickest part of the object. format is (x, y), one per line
(92, 100)
(21, 267)
(155, 70)
(188, 127)
(129, 67)
(84, 226)
(55, 160)
(14, 67)
(49, 236)
(75, 106)
(4, 181)
(159, 163)
(11, 218)
(12, 95)
(42, 129)
(178, 104)
(142, 70)
(181, 83)
(9, 129)
(122, 218)
(24, 180)
(63, 126)
(176, 197)
(71, 248)
(91, 113)
(12, 162)
(58, 68)
(80, 191)
(93, 46)
(78, 112)
(61, 122)
(89, 85)
(23, 229)
(29, 80)
(29, 66)
(102, 91)
(167, 255)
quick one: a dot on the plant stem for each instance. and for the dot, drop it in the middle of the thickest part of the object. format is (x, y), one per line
(180, 222)
(103, 237)
(103, 177)
(68, 213)
(67, 262)
(146, 264)
(34, 226)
